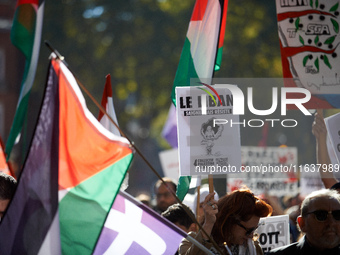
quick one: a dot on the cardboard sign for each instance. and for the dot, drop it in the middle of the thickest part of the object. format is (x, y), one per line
(209, 138)
(273, 232)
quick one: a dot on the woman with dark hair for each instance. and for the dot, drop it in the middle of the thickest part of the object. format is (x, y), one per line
(230, 222)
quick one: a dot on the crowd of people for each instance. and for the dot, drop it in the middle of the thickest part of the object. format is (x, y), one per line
(228, 224)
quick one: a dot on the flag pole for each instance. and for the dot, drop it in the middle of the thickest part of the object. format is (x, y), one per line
(211, 183)
(147, 162)
(134, 147)
(199, 245)
(198, 201)
(222, 25)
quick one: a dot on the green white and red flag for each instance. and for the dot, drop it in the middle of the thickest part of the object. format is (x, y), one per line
(70, 178)
(202, 51)
(26, 36)
(107, 104)
(201, 55)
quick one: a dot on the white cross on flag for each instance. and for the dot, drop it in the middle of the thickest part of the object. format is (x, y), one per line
(133, 228)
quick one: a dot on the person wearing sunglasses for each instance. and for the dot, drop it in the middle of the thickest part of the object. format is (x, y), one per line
(230, 222)
(320, 221)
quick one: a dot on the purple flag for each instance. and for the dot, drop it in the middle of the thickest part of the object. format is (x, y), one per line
(34, 205)
(170, 128)
(133, 228)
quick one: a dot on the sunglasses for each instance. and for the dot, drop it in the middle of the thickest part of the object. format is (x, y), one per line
(249, 231)
(322, 215)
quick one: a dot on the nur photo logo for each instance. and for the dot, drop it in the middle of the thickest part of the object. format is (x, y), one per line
(237, 101)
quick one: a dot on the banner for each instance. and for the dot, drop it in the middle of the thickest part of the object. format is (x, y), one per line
(133, 228)
(309, 39)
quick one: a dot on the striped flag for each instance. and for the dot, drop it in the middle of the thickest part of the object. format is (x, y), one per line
(107, 104)
(201, 54)
(133, 228)
(26, 36)
(202, 51)
(70, 178)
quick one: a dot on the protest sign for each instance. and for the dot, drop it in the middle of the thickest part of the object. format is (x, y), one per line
(273, 232)
(309, 39)
(333, 129)
(270, 170)
(169, 162)
(208, 133)
(309, 182)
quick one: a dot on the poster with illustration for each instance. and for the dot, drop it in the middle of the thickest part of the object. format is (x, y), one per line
(208, 132)
(309, 41)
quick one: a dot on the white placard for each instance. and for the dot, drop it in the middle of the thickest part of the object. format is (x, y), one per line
(333, 129)
(273, 232)
(270, 170)
(309, 182)
(209, 142)
(170, 164)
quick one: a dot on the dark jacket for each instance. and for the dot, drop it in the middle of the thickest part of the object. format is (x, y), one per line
(303, 248)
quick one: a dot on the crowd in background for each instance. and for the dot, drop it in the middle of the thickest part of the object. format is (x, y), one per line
(228, 224)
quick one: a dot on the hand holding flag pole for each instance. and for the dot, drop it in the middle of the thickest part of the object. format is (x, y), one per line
(133, 146)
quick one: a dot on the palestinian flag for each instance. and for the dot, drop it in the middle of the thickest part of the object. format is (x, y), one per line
(70, 178)
(26, 36)
(202, 51)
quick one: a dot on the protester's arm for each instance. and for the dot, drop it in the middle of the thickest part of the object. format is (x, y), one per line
(187, 247)
(209, 213)
(320, 132)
